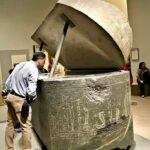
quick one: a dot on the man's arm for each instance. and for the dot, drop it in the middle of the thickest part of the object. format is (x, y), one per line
(32, 85)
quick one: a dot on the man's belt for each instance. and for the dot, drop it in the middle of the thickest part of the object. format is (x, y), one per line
(14, 93)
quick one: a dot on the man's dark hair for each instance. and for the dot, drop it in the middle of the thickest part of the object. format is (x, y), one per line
(38, 55)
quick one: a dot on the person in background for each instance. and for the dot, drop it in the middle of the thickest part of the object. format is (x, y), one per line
(143, 77)
(21, 89)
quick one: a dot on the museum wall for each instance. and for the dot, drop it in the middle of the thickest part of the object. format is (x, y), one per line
(138, 12)
(19, 19)
(8, 59)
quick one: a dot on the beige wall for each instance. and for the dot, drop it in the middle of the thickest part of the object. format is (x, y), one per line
(121, 4)
(139, 11)
(19, 19)
(6, 61)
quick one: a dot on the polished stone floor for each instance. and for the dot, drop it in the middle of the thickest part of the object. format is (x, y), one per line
(141, 116)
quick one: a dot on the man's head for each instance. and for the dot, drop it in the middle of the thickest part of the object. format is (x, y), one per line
(39, 59)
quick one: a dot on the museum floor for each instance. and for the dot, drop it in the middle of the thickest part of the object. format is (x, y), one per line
(141, 112)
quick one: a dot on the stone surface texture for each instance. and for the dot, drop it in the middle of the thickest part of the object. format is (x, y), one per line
(101, 38)
(90, 112)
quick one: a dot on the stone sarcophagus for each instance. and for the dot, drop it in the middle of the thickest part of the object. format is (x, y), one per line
(85, 112)
(89, 112)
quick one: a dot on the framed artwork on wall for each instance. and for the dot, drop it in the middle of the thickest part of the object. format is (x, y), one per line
(135, 54)
(16, 59)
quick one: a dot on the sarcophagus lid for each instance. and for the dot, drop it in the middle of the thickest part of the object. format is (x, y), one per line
(101, 37)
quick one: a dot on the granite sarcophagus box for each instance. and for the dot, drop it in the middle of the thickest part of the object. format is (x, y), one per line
(90, 112)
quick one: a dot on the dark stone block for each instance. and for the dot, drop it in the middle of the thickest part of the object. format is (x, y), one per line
(84, 112)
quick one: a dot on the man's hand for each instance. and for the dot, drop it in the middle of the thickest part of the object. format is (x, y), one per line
(25, 110)
(141, 81)
(30, 98)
